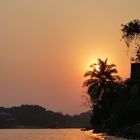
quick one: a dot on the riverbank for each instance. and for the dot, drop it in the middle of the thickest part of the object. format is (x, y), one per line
(131, 132)
(128, 133)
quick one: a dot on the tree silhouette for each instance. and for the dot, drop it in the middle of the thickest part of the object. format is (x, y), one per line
(101, 78)
(131, 36)
(102, 85)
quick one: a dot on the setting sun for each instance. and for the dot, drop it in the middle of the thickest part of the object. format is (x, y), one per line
(46, 47)
(97, 67)
(69, 64)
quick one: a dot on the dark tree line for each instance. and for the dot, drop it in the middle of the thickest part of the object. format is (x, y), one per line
(34, 116)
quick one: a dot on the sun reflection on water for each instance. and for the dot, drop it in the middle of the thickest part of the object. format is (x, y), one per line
(96, 136)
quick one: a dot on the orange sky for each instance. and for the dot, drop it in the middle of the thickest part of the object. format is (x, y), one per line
(47, 45)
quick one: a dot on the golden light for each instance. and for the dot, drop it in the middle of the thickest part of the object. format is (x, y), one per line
(97, 67)
(97, 136)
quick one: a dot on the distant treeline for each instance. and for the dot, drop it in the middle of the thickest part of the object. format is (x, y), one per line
(34, 116)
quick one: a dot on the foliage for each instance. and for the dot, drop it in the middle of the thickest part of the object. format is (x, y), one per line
(101, 80)
(131, 36)
(102, 87)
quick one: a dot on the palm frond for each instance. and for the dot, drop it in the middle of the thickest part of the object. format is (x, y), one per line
(106, 60)
(88, 73)
(112, 65)
(111, 71)
(89, 82)
(93, 65)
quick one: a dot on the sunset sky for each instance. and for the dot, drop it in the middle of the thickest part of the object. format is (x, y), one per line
(47, 45)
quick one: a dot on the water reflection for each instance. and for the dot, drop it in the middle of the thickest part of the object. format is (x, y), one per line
(47, 134)
(96, 136)
(52, 134)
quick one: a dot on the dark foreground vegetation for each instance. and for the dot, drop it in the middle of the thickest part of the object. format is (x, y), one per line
(34, 116)
(115, 102)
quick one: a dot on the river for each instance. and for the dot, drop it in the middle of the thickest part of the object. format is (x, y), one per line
(51, 134)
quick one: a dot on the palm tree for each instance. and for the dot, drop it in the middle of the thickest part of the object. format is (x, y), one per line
(101, 79)
(102, 85)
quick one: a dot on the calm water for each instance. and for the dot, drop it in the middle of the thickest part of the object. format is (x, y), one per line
(48, 134)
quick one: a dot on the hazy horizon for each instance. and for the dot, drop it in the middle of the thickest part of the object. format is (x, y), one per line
(47, 45)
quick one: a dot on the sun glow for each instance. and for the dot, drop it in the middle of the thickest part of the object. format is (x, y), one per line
(97, 67)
